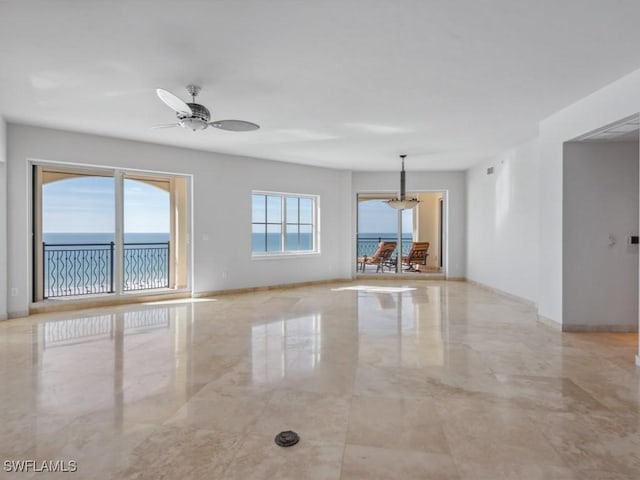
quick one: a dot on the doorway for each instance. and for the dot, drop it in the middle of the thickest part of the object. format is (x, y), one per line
(377, 222)
(600, 219)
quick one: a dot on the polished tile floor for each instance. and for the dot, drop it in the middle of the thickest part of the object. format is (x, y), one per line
(382, 379)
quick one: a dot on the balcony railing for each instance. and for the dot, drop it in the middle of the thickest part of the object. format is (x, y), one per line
(88, 268)
(146, 266)
(367, 245)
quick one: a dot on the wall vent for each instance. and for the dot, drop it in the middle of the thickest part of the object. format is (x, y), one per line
(490, 171)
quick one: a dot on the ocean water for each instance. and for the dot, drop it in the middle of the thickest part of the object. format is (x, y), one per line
(293, 242)
(82, 263)
(368, 242)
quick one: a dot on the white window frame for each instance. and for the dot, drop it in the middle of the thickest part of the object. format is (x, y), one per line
(315, 226)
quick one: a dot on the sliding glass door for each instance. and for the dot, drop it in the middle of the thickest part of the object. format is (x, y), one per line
(107, 232)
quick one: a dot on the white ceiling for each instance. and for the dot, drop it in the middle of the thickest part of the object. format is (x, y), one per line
(340, 83)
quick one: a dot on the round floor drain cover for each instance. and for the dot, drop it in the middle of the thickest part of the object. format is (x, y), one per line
(287, 438)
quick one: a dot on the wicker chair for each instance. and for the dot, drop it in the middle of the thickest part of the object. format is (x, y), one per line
(381, 258)
(417, 256)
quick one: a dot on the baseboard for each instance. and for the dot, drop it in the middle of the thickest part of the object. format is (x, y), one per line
(233, 291)
(549, 322)
(600, 328)
(502, 293)
(4, 316)
(400, 276)
(587, 328)
(51, 306)
(456, 279)
(18, 314)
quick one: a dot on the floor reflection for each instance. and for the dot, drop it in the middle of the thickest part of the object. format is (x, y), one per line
(403, 327)
(285, 347)
(109, 360)
(87, 329)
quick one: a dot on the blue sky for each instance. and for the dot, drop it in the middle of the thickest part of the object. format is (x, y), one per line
(302, 211)
(375, 216)
(87, 205)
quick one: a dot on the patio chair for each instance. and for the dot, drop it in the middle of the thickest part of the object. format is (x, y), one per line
(417, 256)
(381, 258)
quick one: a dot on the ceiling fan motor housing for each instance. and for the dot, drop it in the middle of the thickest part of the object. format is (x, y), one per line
(199, 118)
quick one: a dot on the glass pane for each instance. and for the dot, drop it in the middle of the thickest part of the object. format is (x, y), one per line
(258, 214)
(407, 231)
(306, 237)
(376, 222)
(274, 209)
(292, 238)
(83, 205)
(306, 210)
(292, 209)
(274, 238)
(407, 222)
(76, 211)
(147, 211)
(258, 238)
(147, 214)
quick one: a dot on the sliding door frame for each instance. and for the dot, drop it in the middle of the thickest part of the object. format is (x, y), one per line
(180, 253)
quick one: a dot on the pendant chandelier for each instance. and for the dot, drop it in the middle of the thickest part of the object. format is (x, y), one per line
(402, 203)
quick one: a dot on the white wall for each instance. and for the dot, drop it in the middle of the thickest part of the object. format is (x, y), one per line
(502, 222)
(600, 279)
(616, 101)
(222, 186)
(452, 183)
(3, 220)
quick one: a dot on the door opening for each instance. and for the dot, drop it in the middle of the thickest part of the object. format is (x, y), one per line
(420, 232)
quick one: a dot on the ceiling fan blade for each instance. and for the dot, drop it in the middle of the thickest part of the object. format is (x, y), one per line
(166, 125)
(173, 102)
(235, 125)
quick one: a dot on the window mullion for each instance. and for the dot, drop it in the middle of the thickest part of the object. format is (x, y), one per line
(283, 220)
(118, 261)
(298, 226)
(266, 228)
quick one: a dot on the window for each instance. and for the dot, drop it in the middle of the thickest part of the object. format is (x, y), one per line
(283, 223)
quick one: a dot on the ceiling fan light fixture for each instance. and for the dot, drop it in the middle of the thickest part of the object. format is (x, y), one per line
(194, 116)
(193, 123)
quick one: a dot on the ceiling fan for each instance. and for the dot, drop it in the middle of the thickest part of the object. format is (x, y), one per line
(195, 116)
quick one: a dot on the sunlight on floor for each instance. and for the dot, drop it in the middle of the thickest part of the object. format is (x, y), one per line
(181, 301)
(370, 288)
